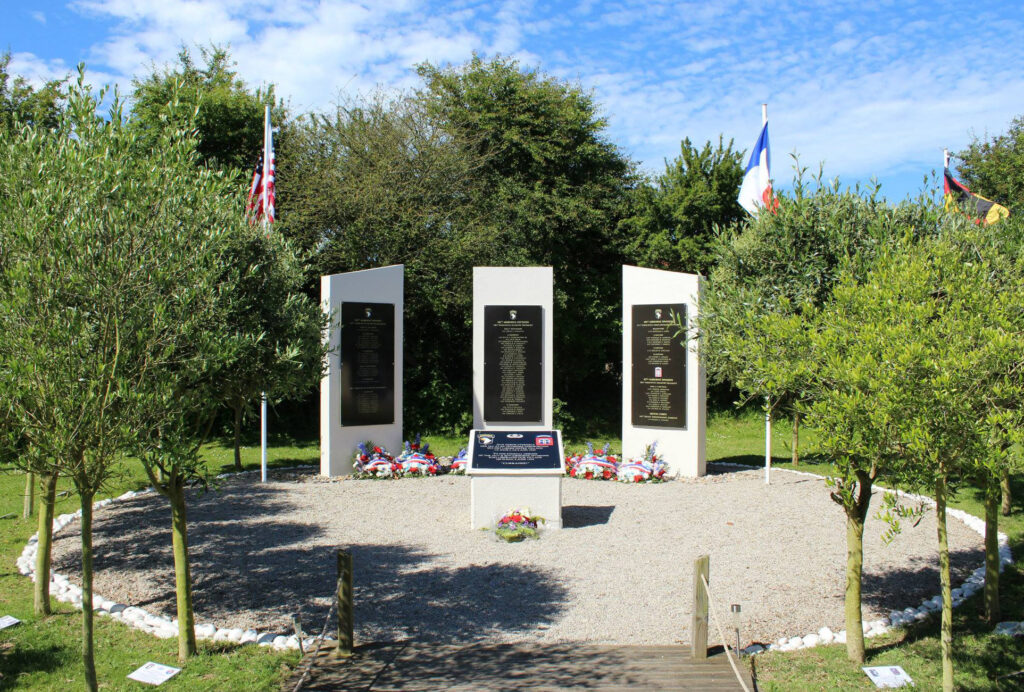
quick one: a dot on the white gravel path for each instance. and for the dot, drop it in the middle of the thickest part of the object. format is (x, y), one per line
(620, 572)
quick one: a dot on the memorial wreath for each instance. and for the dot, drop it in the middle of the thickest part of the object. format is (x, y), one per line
(373, 461)
(459, 463)
(648, 468)
(417, 460)
(517, 525)
(592, 465)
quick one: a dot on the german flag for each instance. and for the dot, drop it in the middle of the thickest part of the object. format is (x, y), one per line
(959, 197)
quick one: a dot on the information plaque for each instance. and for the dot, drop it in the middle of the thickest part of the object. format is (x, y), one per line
(658, 367)
(513, 363)
(534, 452)
(367, 363)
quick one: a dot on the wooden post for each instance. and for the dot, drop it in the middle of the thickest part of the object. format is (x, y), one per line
(344, 603)
(699, 630)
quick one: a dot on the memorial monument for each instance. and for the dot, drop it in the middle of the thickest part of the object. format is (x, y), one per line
(361, 391)
(512, 379)
(663, 381)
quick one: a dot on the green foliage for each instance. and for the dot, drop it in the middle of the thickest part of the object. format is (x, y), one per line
(109, 276)
(774, 267)
(274, 329)
(554, 189)
(214, 100)
(379, 183)
(21, 104)
(674, 220)
(994, 168)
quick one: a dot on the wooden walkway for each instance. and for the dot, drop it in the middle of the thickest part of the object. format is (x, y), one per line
(414, 667)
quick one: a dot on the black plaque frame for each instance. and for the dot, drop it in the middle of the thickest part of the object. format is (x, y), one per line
(513, 363)
(367, 363)
(658, 368)
(519, 452)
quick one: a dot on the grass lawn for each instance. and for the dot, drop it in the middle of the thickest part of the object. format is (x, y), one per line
(44, 653)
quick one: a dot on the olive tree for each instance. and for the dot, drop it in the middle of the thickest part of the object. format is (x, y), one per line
(112, 252)
(917, 363)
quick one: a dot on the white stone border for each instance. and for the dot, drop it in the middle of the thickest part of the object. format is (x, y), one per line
(63, 590)
(897, 618)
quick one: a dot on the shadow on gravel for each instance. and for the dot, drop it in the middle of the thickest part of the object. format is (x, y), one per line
(581, 516)
(916, 580)
(260, 565)
(399, 594)
(752, 460)
(231, 561)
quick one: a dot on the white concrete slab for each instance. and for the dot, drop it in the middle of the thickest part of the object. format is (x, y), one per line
(512, 286)
(338, 442)
(684, 448)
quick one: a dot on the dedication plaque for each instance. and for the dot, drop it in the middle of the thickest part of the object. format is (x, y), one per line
(516, 451)
(513, 363)
(367, 363)
(659, 367)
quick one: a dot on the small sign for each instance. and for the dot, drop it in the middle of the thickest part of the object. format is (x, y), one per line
(516, 452)
(888, 676)
(154, 674)
(8, 621)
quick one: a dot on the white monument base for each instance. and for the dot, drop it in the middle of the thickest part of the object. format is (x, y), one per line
(491, 496)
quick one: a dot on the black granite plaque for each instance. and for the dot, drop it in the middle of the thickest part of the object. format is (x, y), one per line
(659, 367)
(513, 363)
(517, 450)
(367, 363)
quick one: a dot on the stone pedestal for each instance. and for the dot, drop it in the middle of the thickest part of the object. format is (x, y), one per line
(511, 470)
(493, 496)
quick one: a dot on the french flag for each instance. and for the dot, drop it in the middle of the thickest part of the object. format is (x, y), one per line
(756, 190)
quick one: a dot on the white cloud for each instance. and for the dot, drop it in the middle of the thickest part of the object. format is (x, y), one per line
(39, 17)
(868, 89)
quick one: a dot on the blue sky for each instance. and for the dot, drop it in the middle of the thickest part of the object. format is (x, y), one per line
(866, 89)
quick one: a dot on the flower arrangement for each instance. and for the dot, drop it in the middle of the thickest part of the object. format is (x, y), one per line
(649, 468)
(593, 465)
(517, 525)
(459, 463)
(373, 461)
(417, 460)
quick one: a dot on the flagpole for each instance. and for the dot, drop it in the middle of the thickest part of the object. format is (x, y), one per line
(266, 228)
(945, 158)
(767, 400)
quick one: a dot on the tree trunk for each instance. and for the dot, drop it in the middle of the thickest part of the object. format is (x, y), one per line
(855, 517)
(796, 438)
(992, 493)
(1004, 482)
(947, 596)
(88, 657)
(30, 495)
(182, 572)
(854, 565)
(44, 545)
(238, 435)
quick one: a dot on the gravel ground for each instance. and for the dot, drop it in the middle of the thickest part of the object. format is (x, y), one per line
(619, 573)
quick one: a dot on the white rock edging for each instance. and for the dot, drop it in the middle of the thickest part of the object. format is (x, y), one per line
(63, 590)
(897, 618)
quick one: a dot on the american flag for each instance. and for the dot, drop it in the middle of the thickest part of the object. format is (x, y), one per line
(261, 191)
